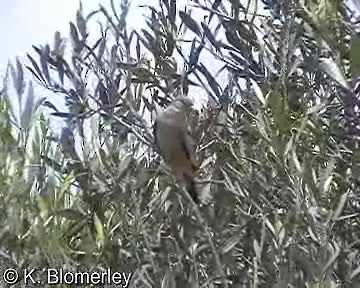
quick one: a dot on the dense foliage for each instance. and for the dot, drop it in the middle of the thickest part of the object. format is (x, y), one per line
(278, 137)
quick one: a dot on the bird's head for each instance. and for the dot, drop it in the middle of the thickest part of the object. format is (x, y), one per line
(176, 113)
(183, 103)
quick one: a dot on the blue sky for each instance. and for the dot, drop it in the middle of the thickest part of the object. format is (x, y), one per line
(34, 22)
(27, 22)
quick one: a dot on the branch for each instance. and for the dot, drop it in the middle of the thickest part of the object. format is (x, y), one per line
(203, 223)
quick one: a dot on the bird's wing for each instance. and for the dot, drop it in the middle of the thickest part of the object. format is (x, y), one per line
(189, 148)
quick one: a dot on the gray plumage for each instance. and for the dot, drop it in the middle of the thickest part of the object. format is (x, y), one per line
(175, 143)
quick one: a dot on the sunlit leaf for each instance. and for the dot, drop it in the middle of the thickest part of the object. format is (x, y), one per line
(230, 244)
(296, 161)
(334, 71)
(100, 234)
(27, 113)
(257, 249)
(258, 92)
(340, 206)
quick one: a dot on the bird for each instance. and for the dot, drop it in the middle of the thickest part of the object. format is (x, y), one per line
(175, 143)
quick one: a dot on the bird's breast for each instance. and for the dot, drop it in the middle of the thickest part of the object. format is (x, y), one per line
(172, 147)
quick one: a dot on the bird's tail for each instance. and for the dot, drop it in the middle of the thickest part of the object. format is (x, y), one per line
(192, 189)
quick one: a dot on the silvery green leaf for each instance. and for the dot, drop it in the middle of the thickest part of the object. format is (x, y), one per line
(101, 48)
(340, 206)
(190, 23)
(172, 11)
(81, 24)
(334, 71)
(230, 244)
(38, 73)
(258, 91)
(138, 48)
(74, 34)
(210, 36)
(57, 41)
(20, 84)
(27, 113)
(44, 63)
(113, 57)
(13, 74)
(210, 79)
